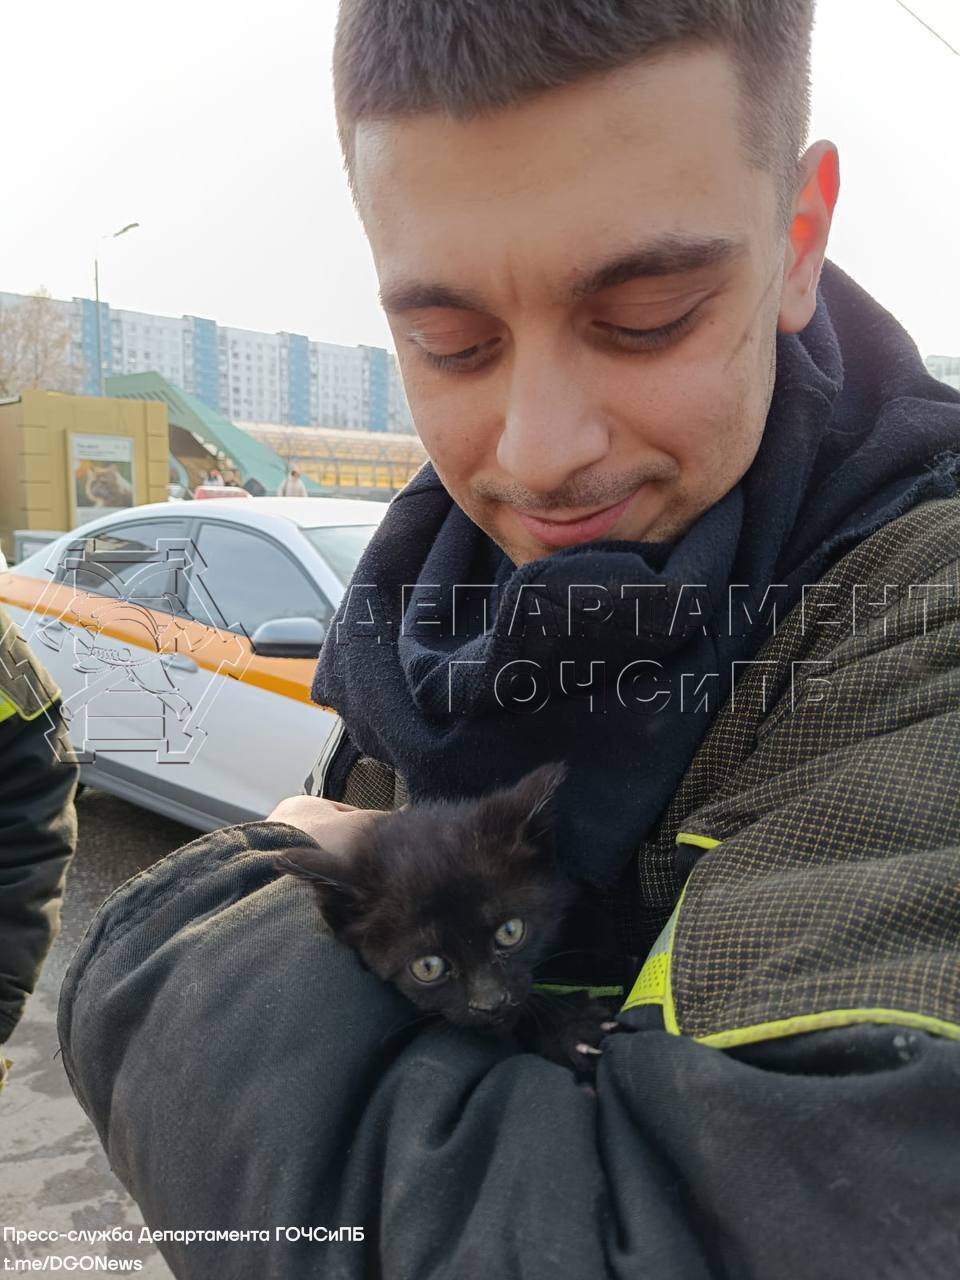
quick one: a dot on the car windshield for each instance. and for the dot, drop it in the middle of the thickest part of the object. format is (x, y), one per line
(341, 546)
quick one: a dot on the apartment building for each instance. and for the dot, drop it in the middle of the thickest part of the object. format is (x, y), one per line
(283, 378)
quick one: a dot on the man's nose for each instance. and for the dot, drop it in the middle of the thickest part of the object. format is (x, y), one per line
(553, 423)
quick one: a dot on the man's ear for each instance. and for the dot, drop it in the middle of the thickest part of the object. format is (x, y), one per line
(340, 897)
(808, 235)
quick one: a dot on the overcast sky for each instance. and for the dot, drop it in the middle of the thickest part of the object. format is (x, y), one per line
(210, 122)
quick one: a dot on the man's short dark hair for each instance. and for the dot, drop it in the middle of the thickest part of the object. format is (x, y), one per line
(466, 57)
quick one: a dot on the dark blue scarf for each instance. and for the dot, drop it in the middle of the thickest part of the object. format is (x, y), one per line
(464, 691)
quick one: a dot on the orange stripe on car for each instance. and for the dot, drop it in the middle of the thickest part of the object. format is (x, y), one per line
(212, 648)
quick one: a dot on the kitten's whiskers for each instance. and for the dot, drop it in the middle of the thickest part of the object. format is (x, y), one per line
(405, 1026)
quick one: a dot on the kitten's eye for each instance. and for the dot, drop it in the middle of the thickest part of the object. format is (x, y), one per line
(428, 968)
(510, 933)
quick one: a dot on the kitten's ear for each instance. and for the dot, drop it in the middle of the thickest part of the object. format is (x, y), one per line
(534, 800)
(340, 898)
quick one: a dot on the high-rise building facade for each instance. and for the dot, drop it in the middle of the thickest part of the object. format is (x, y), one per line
(283, 378)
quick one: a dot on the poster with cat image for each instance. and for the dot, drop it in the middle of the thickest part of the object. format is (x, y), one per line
(101, 470)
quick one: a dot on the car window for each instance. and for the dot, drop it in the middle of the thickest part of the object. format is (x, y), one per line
(341, 546)
(242, 579)
(142, 562)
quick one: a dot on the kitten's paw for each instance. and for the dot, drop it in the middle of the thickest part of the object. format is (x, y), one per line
(569, 1031)
(582, 1035)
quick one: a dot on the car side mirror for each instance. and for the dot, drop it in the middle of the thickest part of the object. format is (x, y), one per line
(288, 638)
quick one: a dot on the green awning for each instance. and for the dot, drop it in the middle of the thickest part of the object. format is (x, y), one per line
(250, 458)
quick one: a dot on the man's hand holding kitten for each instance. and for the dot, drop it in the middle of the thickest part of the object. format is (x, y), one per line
(331, 823)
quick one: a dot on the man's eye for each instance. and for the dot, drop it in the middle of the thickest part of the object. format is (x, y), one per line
(646, 339)
(469, 358)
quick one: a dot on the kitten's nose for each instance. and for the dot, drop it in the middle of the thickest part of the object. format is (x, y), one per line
(488, 1003)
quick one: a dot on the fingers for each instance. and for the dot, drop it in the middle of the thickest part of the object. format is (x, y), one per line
(334, 825)
(299, 806)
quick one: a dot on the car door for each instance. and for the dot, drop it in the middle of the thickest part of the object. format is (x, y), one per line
(263, 731)
(135, 681)
(101, 621)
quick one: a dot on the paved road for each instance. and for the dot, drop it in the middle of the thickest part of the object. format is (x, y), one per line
(53, 1172)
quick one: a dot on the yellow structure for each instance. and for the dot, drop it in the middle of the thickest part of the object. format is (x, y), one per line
(341, 459)
(65, 459)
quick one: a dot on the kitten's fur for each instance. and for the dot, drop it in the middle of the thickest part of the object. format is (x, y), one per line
(439, 879)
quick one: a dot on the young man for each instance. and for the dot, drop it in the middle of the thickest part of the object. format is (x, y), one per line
(711, 509)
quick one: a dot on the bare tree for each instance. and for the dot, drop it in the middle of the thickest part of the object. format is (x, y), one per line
(35, 347)
(9, 346)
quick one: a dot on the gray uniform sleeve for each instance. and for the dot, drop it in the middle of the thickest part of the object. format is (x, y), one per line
(246, 1074)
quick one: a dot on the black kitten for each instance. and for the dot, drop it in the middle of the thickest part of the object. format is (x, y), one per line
(456, 903)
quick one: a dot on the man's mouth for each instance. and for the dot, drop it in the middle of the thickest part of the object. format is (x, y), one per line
(567, 533)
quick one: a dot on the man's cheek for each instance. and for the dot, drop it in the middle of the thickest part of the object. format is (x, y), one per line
(456, 442)
(450, 461)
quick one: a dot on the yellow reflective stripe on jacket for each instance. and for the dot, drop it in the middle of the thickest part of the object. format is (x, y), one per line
(653, 982)
(653, 987)
(9, 708)
(700, 842)
(823, 1021)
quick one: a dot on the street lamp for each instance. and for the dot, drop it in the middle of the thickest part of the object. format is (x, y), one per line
(96, 291)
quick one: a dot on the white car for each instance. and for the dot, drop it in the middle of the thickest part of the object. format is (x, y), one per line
(184, 637)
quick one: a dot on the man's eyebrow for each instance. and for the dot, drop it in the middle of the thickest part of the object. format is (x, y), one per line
(416, 297)
(667, 256)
